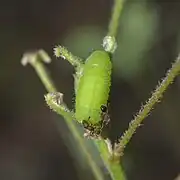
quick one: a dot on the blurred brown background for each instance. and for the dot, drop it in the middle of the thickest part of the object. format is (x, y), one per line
(31, 146)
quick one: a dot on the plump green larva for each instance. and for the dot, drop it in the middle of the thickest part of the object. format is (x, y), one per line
(93, 88)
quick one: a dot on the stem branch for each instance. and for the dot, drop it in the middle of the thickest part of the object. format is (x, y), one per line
(55, 101)
(145, 110)
(114, 22)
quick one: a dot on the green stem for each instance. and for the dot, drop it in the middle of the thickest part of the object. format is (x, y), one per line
(113, 166)
(51, 100)
(145, 110)
(55, 101)
(109, 41)
(114, 22)
(34, 58)
(60, 51)
(76, 62)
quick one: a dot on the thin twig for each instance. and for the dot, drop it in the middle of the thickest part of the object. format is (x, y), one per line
(60, 51)
(109, 41)
(52, 99)
(104, 146)
(145, 110)
(114, 21)
(113, 166)
(35, 59)
(55, 101)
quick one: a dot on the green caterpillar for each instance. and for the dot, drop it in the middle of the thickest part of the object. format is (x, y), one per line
(92, 93)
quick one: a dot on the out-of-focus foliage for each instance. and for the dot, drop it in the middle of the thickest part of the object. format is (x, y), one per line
(148, 42)
(138, 30)
(83, 40)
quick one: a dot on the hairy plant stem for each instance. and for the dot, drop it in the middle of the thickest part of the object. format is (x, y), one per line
(114, 21)
(55, 101)
(145, 110)
(104, 146)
